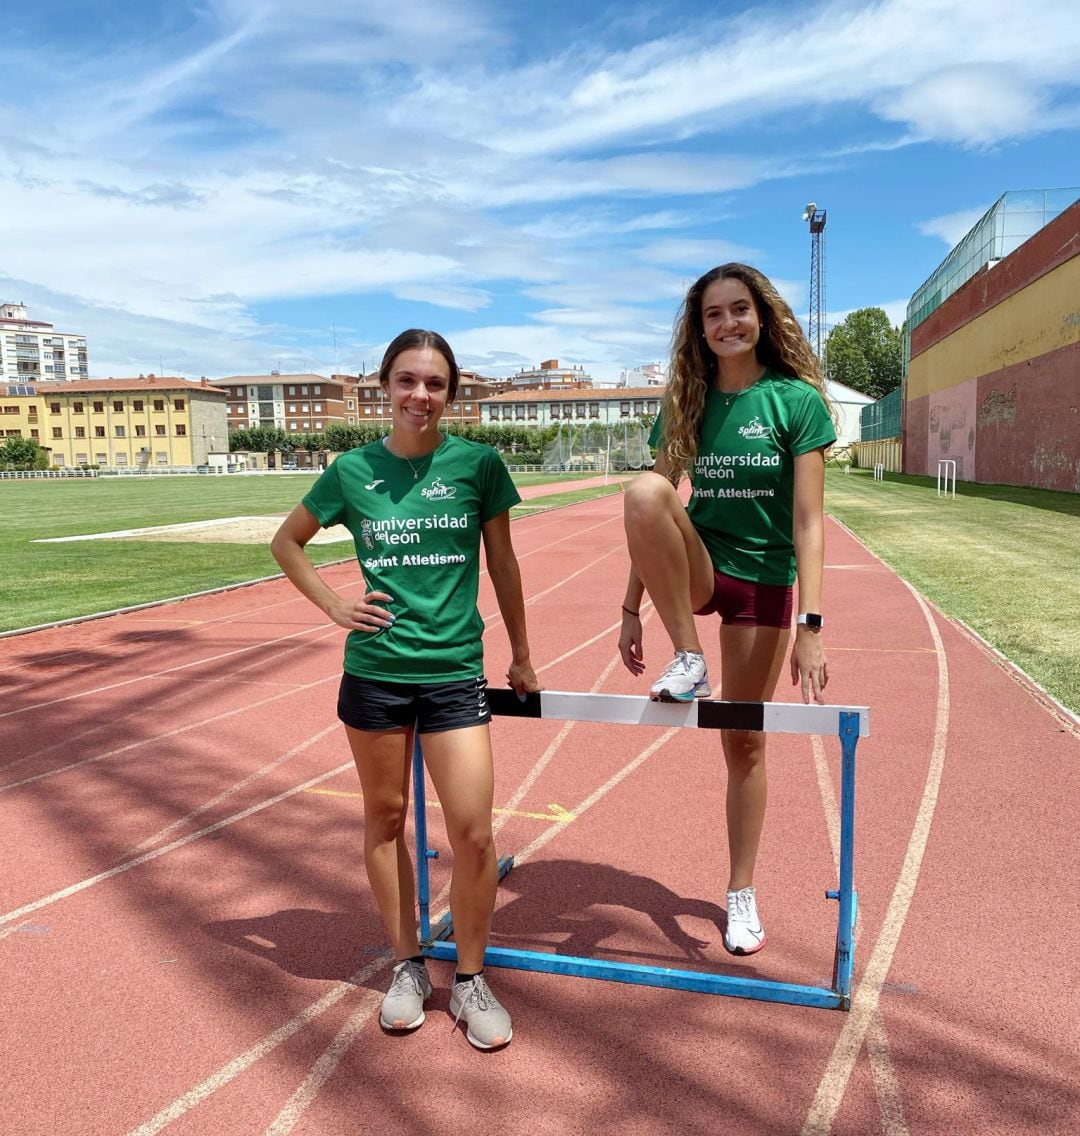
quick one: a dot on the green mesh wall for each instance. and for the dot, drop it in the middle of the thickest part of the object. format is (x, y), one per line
(881, 419)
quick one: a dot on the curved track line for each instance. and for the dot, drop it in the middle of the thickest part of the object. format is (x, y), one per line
(864, 1004)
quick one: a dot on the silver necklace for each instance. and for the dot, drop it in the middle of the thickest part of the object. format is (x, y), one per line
(405, 458)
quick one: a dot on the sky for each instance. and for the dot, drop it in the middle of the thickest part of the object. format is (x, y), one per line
(218, 187)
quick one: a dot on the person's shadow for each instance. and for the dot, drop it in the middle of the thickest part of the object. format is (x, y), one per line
(574, 898)
(306, 942)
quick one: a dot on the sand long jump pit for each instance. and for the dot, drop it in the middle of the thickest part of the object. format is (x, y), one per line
(226, 530)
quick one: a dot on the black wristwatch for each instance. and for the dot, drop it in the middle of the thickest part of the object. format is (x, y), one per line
(810, 619)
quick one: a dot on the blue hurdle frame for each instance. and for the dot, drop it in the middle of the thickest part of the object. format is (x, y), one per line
(434, 940)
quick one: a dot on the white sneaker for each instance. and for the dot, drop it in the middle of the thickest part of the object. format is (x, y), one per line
(684, 679)
(744, 933)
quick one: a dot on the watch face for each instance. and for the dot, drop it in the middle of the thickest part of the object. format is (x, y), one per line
(811, 620)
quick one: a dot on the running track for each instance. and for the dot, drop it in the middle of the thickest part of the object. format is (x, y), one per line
(187, 944)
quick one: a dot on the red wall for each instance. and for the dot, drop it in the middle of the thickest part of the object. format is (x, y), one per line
(1029, 423)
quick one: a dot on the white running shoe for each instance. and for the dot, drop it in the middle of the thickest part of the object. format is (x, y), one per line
(684, 679)
(744, 933)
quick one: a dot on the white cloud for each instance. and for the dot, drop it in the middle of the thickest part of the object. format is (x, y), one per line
(952, 227)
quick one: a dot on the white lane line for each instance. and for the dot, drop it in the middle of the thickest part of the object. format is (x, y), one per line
(864, 1003)
(233, 789)
(257, 646)
(496, 617)
(330, 1058)
(260, 1049)
(886, 1084)
(186, 728)
(127, 865)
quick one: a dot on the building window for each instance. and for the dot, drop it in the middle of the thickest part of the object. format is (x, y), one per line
(303, 390)
(305, 409)
(99, 408)
(101, 459)
(80, 431)
(54, 408)
(159, 431)
(594, 410)
(318, 408)
(140, 431)
(178, 404)
(553, 409)
(181, 430)
(77, 407)
(121, 459)
(137, 405)
(316, 390)
(468, 408)
(57, 432)
(352, 419)
(349, 404)
(367, 409)
(120, 431)
(118, 406)
(652, 407)
(34, 434)
(624, 409)
(318, 425)
(159, 405)
(467, 392)
(292, 408)
(81, 459)
(99, 431)
(58, 460)
(532, 411)
(162, 457)
(292, 391)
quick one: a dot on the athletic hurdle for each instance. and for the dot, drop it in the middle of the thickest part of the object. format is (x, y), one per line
(946, 469)
(849, 723)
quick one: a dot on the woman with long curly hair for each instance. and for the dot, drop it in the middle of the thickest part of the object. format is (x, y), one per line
(746, 419)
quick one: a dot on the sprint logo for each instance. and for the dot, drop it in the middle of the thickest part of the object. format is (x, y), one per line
(438, 491)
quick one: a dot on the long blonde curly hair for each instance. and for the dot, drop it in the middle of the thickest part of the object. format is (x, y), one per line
(782, 348)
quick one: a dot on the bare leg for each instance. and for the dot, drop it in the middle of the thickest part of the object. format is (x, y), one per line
(383, 762)
(751, 659)
(668, 556)
(460, 765)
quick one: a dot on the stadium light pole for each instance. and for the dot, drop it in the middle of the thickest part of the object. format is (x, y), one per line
(816, 218)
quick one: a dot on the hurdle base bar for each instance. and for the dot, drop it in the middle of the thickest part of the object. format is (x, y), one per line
(760, 990)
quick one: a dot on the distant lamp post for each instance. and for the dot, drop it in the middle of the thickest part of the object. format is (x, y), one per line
(816, 324)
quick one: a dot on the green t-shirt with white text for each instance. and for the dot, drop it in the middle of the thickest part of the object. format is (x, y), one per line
(743, 481)
(417, 538)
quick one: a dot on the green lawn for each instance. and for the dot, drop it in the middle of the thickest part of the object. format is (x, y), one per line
(47, 582)
(1004, 560)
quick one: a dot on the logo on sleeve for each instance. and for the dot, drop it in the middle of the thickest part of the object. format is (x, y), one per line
(375, 484)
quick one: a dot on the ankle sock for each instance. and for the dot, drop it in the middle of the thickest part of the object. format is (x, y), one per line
(459, 977)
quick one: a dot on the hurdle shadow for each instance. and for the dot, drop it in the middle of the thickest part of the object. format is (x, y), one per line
(574, 898)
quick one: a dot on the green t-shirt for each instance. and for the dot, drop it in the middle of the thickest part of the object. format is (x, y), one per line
(743, 481)
(417, 538)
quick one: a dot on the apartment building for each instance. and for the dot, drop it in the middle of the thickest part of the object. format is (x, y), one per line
(606, 406)
(32, 351)
(550, 376)
(366, 401)
(297, 404)
(121, 423)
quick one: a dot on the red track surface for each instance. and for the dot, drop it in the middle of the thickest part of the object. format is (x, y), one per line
(187, 942)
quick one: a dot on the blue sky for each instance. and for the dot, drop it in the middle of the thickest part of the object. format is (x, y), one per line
(234, 186)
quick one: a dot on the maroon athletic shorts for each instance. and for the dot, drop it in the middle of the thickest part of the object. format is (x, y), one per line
(748, 604)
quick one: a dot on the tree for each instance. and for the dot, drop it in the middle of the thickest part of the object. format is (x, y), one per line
(22, 453)
(865, 352)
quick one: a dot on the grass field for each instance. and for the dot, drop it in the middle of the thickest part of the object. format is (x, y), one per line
(47, 582)
(1004, 560)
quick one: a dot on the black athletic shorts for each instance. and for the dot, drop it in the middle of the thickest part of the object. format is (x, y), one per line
(368, 704)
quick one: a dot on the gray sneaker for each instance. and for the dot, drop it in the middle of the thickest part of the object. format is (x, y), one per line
(403, 1006)
(684, 679)
(488, 1023)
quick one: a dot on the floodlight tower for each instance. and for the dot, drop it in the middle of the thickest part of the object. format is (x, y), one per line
(816, 328)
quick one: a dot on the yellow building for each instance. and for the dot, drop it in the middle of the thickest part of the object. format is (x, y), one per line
(120, 423)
